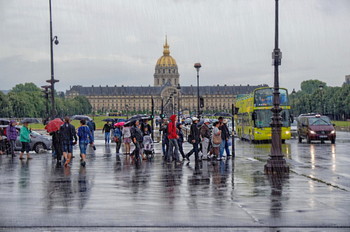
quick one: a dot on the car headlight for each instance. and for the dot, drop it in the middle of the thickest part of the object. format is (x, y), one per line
(312, 132)
(333, 132)
(287, 132)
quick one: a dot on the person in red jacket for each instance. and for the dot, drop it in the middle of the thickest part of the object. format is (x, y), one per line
(173, 150)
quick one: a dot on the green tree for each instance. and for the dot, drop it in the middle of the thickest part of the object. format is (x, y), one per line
(5, 109)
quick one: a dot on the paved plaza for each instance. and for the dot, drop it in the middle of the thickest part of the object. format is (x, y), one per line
(112, 193)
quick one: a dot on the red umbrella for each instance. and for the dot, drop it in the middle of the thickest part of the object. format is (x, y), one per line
(54, 125)
(119, 124)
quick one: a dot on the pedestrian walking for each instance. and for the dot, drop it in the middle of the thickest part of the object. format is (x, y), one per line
(24, 137)
(216, 141)
(117, 137)
(11, 133)
(107, 131)
(68, 134)
(85, 137)
(137, 138)
(57, 145)
(165, 141)
(92, 126)
(180, 140)
(126, 132)
(194, 139)
(173, 150)
(225, 136)
(205, 138)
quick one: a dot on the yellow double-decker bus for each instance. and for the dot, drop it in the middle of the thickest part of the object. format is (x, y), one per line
(254, 115)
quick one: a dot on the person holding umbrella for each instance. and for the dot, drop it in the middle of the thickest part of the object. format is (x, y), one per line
(85, 137)
(12, 134)
(68, 133)
(24, 137)
(117, 137)
(53, 128)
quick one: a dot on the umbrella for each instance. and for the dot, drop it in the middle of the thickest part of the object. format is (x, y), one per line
(54, 125)
(81, 117)
(4, 121)
(140, 117)
(119, 124)
(130, 122)
(108, 120)
(121, 120)
(223, 114)
(30, 120)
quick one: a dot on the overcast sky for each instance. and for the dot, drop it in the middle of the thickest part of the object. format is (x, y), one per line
(117, 42)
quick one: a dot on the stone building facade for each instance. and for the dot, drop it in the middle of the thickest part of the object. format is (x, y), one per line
(166, 92)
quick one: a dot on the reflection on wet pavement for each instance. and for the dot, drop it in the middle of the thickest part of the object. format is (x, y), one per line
(114, 191)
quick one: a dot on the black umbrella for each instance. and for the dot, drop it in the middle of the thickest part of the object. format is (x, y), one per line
(108, 120)
(81, 117)
(140, 117)
(30, 120)
(4, 121)
(130, 122)
(222, 114)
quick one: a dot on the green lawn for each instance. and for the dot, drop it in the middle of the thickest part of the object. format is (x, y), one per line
(97, 119)
(342, 123)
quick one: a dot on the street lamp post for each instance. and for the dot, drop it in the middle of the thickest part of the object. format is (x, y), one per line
(198, 66)
(276, 164)
(293, 102)
(52, 81)
(46, 95)
(178, 102)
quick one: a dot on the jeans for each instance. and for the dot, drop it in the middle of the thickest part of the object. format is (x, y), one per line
(171, 152)
(107, 136)
(194, 150)
(67, 146)
(224, 146)
(82, 147)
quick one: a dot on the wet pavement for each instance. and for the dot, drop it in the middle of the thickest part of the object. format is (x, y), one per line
(115, 194)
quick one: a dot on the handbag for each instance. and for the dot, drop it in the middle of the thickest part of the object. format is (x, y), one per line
(217, 139)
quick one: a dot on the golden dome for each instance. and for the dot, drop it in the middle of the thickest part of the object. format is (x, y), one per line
(166, 60)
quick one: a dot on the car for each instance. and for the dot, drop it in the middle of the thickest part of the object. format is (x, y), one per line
(315, 127)
(38, 142)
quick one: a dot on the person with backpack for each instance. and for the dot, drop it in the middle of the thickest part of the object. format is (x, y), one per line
(117, 137)
(205, 136)
(85, 137)
(68, 134)
(194, 139)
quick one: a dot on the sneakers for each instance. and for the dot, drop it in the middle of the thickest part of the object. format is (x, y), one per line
(219, 158)
(83, 163)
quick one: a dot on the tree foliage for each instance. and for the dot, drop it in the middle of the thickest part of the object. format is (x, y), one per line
(331, 101)
(27, 100)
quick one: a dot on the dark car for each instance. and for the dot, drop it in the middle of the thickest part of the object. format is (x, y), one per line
(315, 127)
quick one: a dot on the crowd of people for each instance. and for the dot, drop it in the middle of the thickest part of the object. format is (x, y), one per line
(208, 141)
